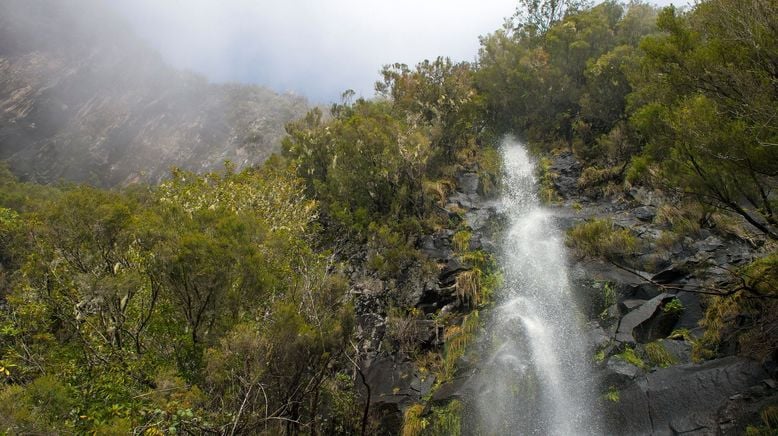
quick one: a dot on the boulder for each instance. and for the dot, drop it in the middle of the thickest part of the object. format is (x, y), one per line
(645, 213)
(682, 399)
(394, 382)
(619, 373)
(477, 219)
(648, 322)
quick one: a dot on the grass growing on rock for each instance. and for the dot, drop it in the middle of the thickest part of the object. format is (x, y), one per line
(630, 356)
(612, 395)
(413, 422)
(601, 238)
(658, 355)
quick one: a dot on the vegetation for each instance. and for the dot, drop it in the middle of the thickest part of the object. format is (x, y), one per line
(630, 356)
(600, 238)
(658, 355)
(218, 302)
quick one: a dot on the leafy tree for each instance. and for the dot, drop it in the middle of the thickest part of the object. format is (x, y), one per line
(540, 15)
(707, 95)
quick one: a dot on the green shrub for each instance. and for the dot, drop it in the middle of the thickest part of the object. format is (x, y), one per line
(638, 169)
(673, 307)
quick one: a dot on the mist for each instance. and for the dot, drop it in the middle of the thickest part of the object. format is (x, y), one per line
(314, 48)
(318, 49)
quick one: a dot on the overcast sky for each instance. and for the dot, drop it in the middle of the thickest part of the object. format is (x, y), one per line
(315, 48)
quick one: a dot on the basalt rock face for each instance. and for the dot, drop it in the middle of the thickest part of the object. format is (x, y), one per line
(644, 312)
(427, 289)
(82, 99)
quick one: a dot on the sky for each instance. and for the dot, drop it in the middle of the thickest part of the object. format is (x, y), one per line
(314, 48)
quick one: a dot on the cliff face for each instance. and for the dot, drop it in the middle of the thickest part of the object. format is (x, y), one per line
(82, 99)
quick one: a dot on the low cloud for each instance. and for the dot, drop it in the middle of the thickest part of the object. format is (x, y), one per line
(315, 48)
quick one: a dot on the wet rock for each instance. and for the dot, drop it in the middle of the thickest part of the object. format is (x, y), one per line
(457, 389)
(629, 305)
(394, 382)
(468, 183)
(567, 170)
(477, 219)
(671, 275)
(648, 322)
(683, 399)
(619, 373)
(679, 349)
(597, 336)
(692, 310)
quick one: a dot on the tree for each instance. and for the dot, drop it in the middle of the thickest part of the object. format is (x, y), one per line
(539, 15)
(707, 92)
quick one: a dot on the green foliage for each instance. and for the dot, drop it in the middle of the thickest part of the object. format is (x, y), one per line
(445, 420)
(413, 422)
(673, 307)
(546, 177)
(721, 312)
(612, 395)
(608, 299)
(630, 356)
(704, 101)
(658, 355)
(600, 238)
(563, 77)
(146, 303)
(461, 240)
(457, 338)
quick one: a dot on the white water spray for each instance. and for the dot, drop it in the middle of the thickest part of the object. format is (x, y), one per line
(537, 381)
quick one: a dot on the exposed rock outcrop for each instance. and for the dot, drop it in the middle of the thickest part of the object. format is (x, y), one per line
(83, 100)
(686, 399)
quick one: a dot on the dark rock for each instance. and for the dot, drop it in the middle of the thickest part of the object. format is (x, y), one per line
(629, 305)
(468, 183)
(598, 338)
(711, 243)
(567, 170)
(672, 274)
(642, 291)
(679, 349)
(457, 389)
(644, 196)
(683, 399)
(619, 373)
(466, 201)
(645, 213)
(477, 219)
(396, 382)
(692, 310)
(648, 322)
(475, 242)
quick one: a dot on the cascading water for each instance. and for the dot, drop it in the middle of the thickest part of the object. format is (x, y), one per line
(537, 381)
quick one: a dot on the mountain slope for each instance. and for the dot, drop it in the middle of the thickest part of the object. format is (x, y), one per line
(82, 99)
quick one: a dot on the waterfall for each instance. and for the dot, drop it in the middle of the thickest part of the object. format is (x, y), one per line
(536, 376)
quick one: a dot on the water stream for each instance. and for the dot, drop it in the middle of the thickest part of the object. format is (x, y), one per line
(537, 380)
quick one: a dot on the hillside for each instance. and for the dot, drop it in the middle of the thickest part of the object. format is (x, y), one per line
(82, 99)
(573, 235)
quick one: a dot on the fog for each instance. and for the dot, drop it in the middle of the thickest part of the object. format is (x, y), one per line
(311, 47)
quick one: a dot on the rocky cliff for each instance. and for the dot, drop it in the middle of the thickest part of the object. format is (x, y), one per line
(645, 309)
(82, 99)
(643, 323)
